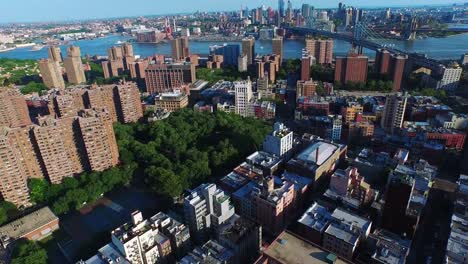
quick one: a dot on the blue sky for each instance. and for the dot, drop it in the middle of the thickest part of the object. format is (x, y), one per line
(58, 10)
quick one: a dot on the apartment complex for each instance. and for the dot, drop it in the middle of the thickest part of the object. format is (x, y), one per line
(392, 65)
(74, 66)
(277, 47)
(207, 207)
(13, 111)
(51, 73)
(161, 78)
(55, 54)
(321, 49)
(306, 88)
(352, 68)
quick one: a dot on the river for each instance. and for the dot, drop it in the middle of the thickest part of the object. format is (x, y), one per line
(451, 47)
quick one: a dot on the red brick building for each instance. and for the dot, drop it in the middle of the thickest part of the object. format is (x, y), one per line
(450, 139)
(352, 68)
(392, 65)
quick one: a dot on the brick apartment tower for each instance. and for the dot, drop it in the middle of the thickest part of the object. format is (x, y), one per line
(392, 65)
(128, 102)
(352, 68)
(321, 49)
(74, 66)
(13, 109)
(55, 54)
(180, 48)
(51, 73)
(277, 47)
(95, 127)
(13, 185)
(248, 48)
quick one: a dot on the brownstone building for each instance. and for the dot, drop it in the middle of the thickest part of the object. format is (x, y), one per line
(321, 49)
(352, 68)
(13, 108)
(165, 77)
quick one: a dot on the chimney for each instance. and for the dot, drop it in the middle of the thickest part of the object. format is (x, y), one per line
(317, 154)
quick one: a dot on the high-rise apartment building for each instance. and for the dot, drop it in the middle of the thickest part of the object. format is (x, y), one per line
(21, 140)
(306, 63)
(450, 77)
(321, 49)
(280, 142)
(98, 139)
(206, 207)
(74, 66)
(277, 47)
(13, 185)
(394, 113)
(248, 48)
(392, 65)
(128, 102)
(243, 97)
(55, 54)
(51, 74)
(166, 77)
(13, 109)
(53, 150)
(137, 68)
(352, 68)
(66, 103)
(180, 48)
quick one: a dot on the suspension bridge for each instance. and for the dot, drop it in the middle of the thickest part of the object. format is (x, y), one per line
(365, 37)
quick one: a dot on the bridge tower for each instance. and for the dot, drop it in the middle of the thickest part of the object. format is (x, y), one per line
(410, 32)
(358, 35)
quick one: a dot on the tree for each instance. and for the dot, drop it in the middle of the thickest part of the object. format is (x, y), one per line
(164, 181)
(38, 189)
(28, 252)
(3, 216)
(33, 87)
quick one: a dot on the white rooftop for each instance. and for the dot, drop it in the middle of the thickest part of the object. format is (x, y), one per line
(325, 150)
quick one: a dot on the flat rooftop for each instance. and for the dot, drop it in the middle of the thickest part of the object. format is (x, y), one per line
(342, 234)
(316, 217)
(107, 254)
(28, 223)
(325, 151)
(290, 249)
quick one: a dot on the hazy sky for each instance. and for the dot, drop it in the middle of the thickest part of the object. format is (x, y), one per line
(56, 10)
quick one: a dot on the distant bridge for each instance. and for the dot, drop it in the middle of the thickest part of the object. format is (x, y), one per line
(364, 37)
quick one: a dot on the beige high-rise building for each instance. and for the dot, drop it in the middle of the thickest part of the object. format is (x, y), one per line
(394, 113)
(50, 141)
(55, 54)
(51, 74)
(248, 48)
(277, 47)
(180, 48)
(66, 103)
(13, 109)
(129, 102)
(22, 141)
(74, 66)
(98, 145)
(13, 185)
(321, 49)
(102, 97)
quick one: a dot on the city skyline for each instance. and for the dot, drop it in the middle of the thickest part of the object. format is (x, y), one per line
(40, 11)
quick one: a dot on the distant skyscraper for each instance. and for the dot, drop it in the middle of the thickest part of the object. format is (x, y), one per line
(55, 54)
(51, 74)
(180, 48)
(242, 63)
(248, 48)
(321, 49)
(352, 68)
(281, 7)
(306, 10)
(74, 66)
(243, 97)
(394, 113)
(277, 47)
